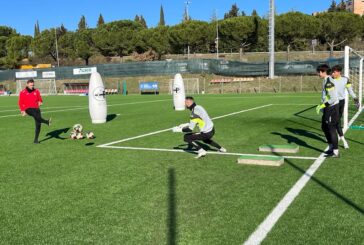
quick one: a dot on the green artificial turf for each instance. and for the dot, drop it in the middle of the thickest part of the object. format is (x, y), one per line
(65, 191)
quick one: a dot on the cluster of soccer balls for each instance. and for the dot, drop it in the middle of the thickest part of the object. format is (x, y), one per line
(77, 133)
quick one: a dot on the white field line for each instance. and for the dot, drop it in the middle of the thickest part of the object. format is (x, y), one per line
(209, 152)
(267, 225)
(296, 104)
(47, 108)
(168, 129)
(86, 107)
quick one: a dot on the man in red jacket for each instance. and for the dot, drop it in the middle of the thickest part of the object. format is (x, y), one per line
(29, 102)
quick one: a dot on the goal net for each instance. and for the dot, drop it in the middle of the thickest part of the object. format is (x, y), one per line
(192, 86)
(353, 69)
(45, 86)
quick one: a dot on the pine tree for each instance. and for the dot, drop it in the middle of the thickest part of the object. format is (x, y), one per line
(161, 18)
(82, 25)
(36, 29)
(254, 13)
(100, 21)
(243, 13)
(342, 6)
(186, 17)
(333, 6)
(61, 30)
(234, 12)
(143, 22)
(137, 18)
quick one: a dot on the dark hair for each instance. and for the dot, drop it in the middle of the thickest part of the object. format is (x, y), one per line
(189, 98)
(30, 81)
(323, 68)
(338, 68)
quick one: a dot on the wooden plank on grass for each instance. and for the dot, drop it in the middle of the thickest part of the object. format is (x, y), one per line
(261, 160)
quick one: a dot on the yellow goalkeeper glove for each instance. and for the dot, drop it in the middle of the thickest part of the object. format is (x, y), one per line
(319, 107)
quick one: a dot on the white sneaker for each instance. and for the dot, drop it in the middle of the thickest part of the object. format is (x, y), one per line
(222, 149)
(201, 153)
(346, 145)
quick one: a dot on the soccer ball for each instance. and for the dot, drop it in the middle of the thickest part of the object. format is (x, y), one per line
(73, 135)
(90, 135)
(77, 128)
(79, 136)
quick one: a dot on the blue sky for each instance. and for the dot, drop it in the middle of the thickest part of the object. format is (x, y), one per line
(22, 15)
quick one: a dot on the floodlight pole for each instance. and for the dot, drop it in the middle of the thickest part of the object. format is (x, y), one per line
(188, 18)
(271, 38)
(55, 35)
(217, 37)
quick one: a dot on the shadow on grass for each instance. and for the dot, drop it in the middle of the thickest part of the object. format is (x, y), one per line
(192, 150)
(110, 117)
(320, 136)
(306, 133)
(172, 209)
(292, 139)
(56, 134)
(328, 188)
(298, 114)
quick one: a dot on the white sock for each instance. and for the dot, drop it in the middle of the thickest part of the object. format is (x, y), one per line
(336, 151)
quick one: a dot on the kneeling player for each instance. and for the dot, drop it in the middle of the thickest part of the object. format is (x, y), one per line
(200, 118)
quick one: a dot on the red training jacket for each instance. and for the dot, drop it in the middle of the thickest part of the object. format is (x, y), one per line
(29, 99)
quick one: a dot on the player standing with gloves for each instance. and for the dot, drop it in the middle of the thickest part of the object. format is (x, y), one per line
(29, 102)
(330, 107)
(342, 84)
(200, 118)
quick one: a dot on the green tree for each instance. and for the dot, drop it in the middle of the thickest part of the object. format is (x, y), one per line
(235, 32)
(338, 28)
(196, 34)
(66, 45)
(100, 21)
(157, 39)
(341, 6)
(17, 48)
(186, 16)
(43, 45)
(118, 37)
(254, 13)
(82, 25)
(84, 45)
(102, 40)
(140, 19)
(143, 22)
(233, 12)
(7, 31)
(290, 36)
(161, 17)
(61, 31)
(3, 41)
(333, 6)
(36, 29)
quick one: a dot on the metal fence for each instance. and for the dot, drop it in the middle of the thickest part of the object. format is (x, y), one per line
(193, 66)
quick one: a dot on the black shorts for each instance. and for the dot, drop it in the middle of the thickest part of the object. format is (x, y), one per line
(199, 136)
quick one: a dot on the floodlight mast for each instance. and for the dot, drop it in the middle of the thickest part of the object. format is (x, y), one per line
(271, 38)
(217, 37)
(55, 35)
(188, 18)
